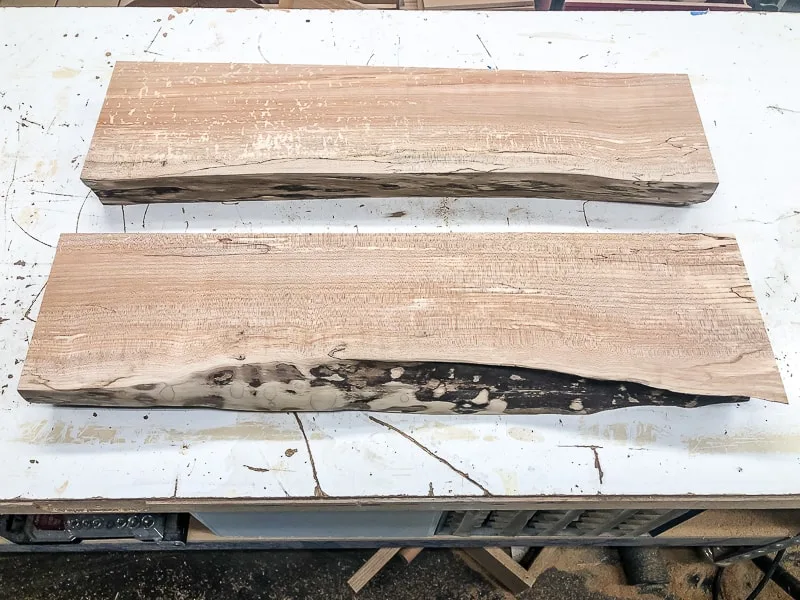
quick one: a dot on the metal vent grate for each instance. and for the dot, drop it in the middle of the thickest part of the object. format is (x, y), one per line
(555, 523)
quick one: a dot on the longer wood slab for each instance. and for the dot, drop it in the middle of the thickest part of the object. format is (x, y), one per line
(190, 132)
(417, 323)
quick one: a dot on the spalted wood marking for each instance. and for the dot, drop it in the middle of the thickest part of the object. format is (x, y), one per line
(431, 388)
(330, 185)
(178, 132)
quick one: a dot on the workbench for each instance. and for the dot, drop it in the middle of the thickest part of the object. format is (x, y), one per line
(57, 65)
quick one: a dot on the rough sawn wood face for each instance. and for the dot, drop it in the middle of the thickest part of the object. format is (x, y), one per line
(178, 132)
(468, 323)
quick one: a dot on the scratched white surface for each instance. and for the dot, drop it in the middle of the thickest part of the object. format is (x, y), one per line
(55, 68)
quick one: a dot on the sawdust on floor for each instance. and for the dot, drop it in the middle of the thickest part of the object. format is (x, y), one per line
(691, 577)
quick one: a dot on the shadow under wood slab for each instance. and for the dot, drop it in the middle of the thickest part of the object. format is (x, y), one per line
(467, 323)
(221, 132)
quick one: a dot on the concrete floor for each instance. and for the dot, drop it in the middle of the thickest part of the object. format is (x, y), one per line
(568, 574)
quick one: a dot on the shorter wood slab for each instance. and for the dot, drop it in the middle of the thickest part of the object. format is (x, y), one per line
(178, 132)
(451, 324)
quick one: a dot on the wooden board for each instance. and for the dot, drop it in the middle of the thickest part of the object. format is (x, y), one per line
(486, 323)
(191, 132)
(500, 567)
(371, 568)
(543, 502)
(409, 554)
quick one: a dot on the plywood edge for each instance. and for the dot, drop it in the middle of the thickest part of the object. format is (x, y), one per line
(23, 505)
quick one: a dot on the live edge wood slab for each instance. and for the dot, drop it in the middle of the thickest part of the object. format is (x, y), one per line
(467, 323)
(217, 132)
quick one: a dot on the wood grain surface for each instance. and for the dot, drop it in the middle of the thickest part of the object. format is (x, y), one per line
(194, 132)
(465, 323)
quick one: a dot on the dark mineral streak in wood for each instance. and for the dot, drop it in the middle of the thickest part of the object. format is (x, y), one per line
(465, 388)
(523, 390)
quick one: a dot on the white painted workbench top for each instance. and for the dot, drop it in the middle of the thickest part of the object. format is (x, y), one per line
(55, 68)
